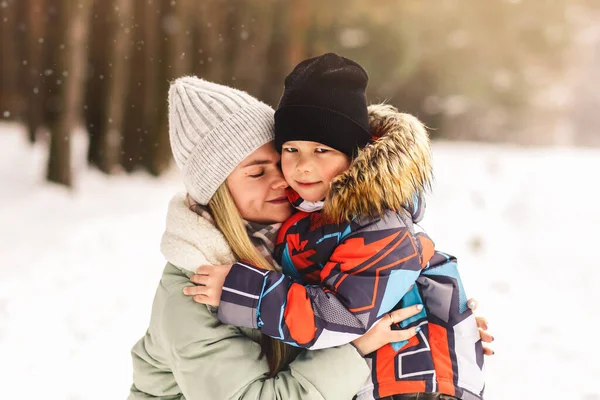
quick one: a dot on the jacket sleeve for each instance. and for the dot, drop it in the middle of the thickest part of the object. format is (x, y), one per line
(367, 275)
(210, 360)
(151, 376)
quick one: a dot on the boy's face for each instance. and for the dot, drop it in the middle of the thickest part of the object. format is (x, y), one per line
(309, 167)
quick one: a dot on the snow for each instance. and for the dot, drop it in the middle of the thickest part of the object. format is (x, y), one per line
(523, 223)
(80, 267)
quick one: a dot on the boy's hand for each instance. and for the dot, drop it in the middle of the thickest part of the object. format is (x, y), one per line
(482, 324)
(210, 280)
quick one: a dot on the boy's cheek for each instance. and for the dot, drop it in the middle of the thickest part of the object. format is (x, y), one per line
(287, 168)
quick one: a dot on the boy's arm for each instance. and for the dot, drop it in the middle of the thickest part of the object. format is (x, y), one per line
(366, 276)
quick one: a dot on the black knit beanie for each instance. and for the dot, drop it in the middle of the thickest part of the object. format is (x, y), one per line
(324, 101)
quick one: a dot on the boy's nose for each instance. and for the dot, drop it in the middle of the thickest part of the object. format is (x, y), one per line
(303, 167)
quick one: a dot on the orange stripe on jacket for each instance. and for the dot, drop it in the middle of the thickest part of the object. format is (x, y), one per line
(354, 252)
(438, 341)
(386, 375)
(299, 316)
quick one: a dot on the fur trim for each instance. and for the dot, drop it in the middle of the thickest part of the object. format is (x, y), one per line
(388, 174)
(190, 240)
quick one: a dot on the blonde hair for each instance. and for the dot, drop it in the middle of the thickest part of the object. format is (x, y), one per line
(229, 221)
(232, 226)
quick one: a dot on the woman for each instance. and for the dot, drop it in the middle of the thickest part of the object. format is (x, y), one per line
(222, 142)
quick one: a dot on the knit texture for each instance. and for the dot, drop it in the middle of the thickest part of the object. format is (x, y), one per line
(212, 128)
(324, 100)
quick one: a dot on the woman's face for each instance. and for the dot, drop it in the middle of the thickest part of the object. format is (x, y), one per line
(258, 188)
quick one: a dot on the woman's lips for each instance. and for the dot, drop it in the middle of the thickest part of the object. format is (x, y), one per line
(279, 200)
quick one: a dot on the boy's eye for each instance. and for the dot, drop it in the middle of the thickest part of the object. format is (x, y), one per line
(321, 150)
(290, 149)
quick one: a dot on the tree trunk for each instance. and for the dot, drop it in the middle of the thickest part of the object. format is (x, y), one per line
(53, 48)
(110, 138)
(300, 12)
(175, 52)
(179, 52)
(254, 36)
(277, 61)
(231, 41)
(134, 124)
(213, 18)
(151, 70)
(8, 65)
(33, 84)
(199, 63)
(71, 75)
(98, 78)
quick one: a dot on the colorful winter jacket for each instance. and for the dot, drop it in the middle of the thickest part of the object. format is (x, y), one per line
(361, 256)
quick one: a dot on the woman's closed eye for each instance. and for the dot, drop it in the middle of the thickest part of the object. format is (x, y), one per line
(258, 175)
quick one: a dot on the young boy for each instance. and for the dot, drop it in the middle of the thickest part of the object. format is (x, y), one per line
(353, 252)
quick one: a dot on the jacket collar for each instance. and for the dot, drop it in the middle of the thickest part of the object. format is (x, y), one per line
(191, 240)
(392, 172)
(303, 205)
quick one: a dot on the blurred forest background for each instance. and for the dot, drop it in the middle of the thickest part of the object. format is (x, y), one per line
(518, 71)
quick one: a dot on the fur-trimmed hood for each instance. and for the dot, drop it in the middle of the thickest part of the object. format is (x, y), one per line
(392, 172)
(191, 240)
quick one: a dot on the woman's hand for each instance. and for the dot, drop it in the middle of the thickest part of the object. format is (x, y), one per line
(210, 280)
(482, 324)
(382, 333)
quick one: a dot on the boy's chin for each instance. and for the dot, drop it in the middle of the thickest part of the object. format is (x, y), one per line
(311, 196)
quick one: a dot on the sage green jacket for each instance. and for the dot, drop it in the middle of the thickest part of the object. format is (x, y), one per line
(187, 353)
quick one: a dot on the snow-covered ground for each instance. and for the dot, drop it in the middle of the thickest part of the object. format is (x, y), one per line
(80, 268)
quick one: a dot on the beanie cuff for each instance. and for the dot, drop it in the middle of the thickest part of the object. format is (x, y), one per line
(321, 125)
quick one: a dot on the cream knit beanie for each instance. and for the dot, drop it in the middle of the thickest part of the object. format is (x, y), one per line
(212, 128)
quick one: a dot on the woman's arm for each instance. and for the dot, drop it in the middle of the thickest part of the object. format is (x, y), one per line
(210, 360)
